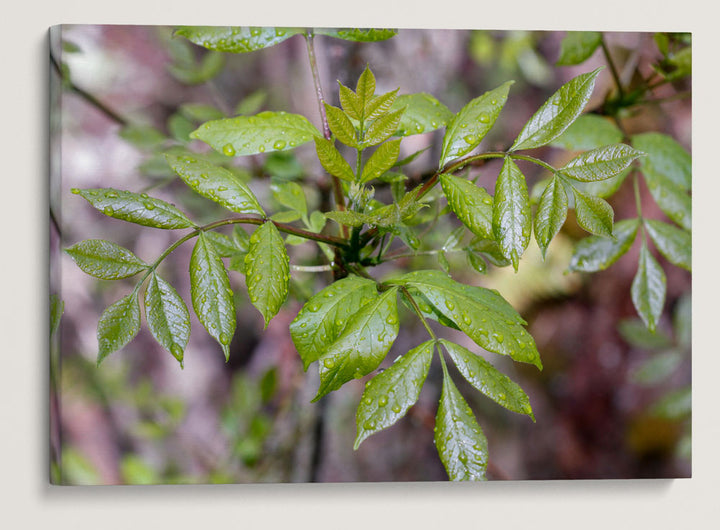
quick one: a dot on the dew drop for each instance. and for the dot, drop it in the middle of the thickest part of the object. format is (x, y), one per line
(328, 363)
(149, 205)
(469, 139)
(396, 409)
(228, 149)
(75, 191)
(382, 401)
(261, 148)
(279, 144)
(499, 337)
(111, 195)
(369, 425)
(224, 339)
(177, 351)
(484, 118)
(449, 304)
(108, 210)
(392, 320)
(279, 32)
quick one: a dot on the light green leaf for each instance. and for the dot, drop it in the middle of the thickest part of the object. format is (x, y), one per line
(261, 133)
(118, 325)
(601, 163)
(250, 104)
(597, 253)
(350, 102)
(350, 218)
(135, 208)
(200, 112)
(472, 204)
(105, 260)
(511, 212)
(289, 194)
(665, 157)
(379, 105)
(672, 242)
(551, 214)
(287, 216)
(332, 160)
(215, 183)
(381, 160)
(357, 34)
(488, 380)
(468, 128)
(390, 394)
(648, 289)
(657, 368)
(224, 246)
(362, 345)
(383, 128)
(674, 406)
(589, 131)
(142, 136)
(672, 199)
(460, 442)
(57, 307)
(322, 319)
(593, 214)
(557, 113)
(577, 46)
(603, 188)
(235, 39)
(167, 316)
(341, 126)
(212, 297)
(423, 113)
(267, 267)
(635, 333)
(682, 320)
(365, 90)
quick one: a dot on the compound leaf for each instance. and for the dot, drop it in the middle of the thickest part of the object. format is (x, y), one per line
(235, 39)
(593, 214)
(332, 160)
(551, 213)
(597, 253)
(577, 46)
(472, 204)
(381, 160)
(601, 163)
(341, 126)
(423, 113)
(118, 325)
(167, 316)
(648, 289)
(105, 260)
(267, 271)
(383, 128)
(511, 212)
(672, 242)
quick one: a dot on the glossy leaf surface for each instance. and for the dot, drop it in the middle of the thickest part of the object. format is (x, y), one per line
(648, 289)
(472, 204)
(601, 163)
(383, 128)
(236, 39)
(551, 214)
(341, 126)
(511, 212)
(332, 160)
(672, 242)
(167, 316)
(577, 46)
(423, 113)
(357, 34)
(105, 260)
(665, 157)
(597, 253)
(593, 214)
(118, 325)
(267, 271)
(381, 161)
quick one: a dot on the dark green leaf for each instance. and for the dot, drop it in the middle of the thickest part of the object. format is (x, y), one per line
(215, 183)
(267, 269)
(511, 212)
(423, 113)
(341, 126)
(589, 131)
(672, 242)
(290, 194)
(382, 128)
(381, 160)
(672, 199)
(135, 208)
(332, 160)
(665, 157)
(118, 325)
(167, 316)
(212, 297)
(577, 46)
(236, 39)
(601, 163)
(551, 214)
(357, 34)
(390, 394)
(597, 253)
(593, 214)
(557, 113)
(472, 205)
(648, 289)
(465, 132)
(105, 260)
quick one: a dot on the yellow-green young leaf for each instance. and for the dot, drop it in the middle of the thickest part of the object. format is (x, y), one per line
(118, 325)
(167, 316)
(357, 34)
(267, 271)
(460, 442)
(215, 183)
(341, 126)
(136, 208)
(332, 160)
(557, 113)
(212, 297)
(423, 113)
(289, 194)
(665, 157)
(511, 212)
(588, 132)
(468, 128)
(382, 128)
(483, 315)
(601, 163)
(648, 289)
(105, 260)
(362, 345)
(381, 160)
(593, 214)
(672, 242)
(350, 102)
(597, 253)
(365, 90)
(235, 39)
(325, 315)
(379, 105)
(261, 133)
(390, 394)
(472, 205)
(488, 380)
(551, 213)
(577, 46)
(672, 199)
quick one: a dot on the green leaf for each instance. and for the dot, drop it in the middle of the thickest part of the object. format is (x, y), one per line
(57, 307)
(118, 325)
(468, 128)
(105, 260)
(382, 128)
(488, 380)
(379, 105)
(665, 157)
(551, 214)
(236, 39)
(672, 242)
(357, 34)
(261, 133)
(142, 136)
(476, 262)
(362, 345)
(390, 394)
(167, 316)
(341, 126)
(212, 297)
(682, 320)
(365, 90)
(648, 289)
(593, 214)
(423, 113)
(200, 112)
(215, 183)
(135, 208)
(557, 113)
(603, 188)
(267, 267)
(332, 160)
(589, 131)
(635, 333)
(482, 314)
(224, 246)
(511, 212)
(290, 194)
(472, 204)
(657, 368)
(490, 250)
(287, 216)
(601, 163)
(251, 104)
(577, 46)
(597, 253)
(323, 318)
(381, 160)
(460, 442)
(672, 199)
(674, 406)
(350, 218)
(350, 101)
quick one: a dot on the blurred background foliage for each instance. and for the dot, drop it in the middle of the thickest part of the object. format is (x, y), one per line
(613, 400)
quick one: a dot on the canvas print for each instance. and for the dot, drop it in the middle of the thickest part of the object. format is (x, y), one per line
(287, 254)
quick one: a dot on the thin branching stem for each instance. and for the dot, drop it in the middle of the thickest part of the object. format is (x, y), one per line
(611, 64)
